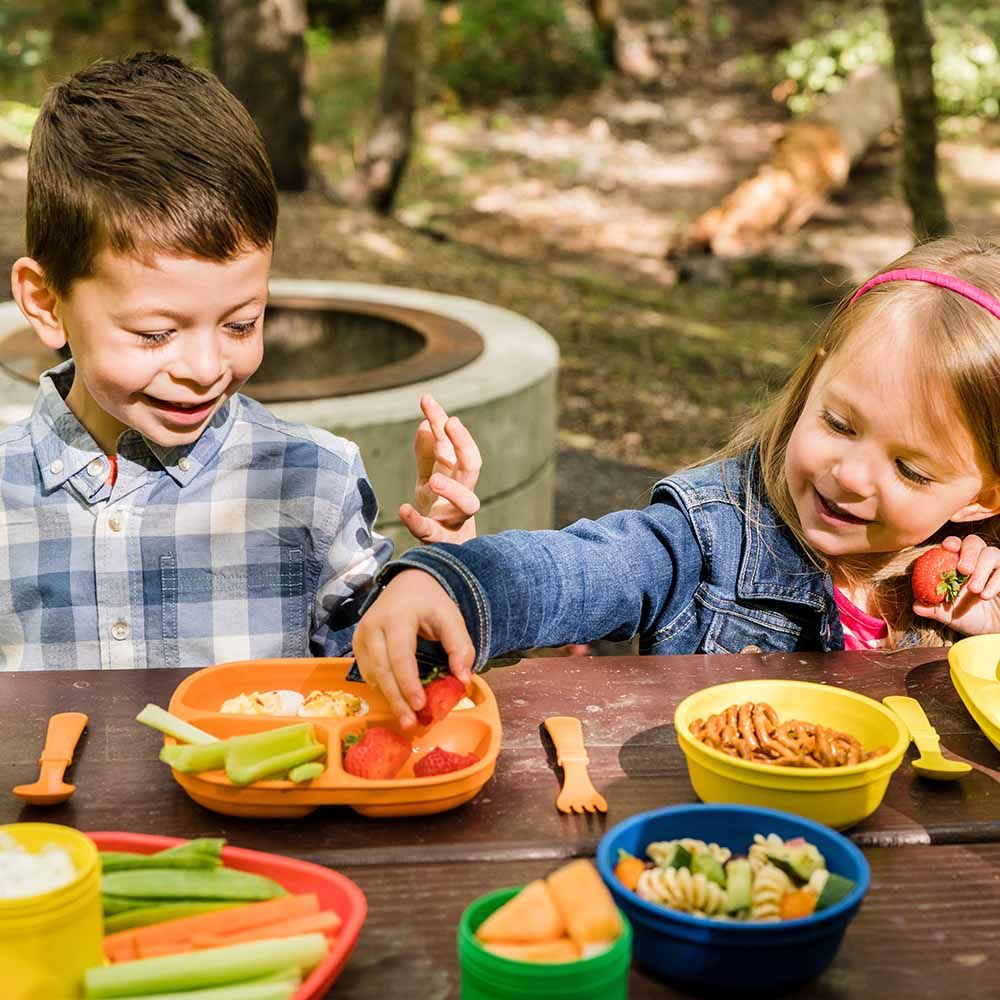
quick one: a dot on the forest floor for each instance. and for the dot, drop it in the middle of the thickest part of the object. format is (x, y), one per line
(561, 211)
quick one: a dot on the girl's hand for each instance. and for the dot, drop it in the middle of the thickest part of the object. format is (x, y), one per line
(977, 609)
(385, 641)
(448, 464)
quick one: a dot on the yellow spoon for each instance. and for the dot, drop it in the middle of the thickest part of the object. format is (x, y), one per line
(930, 763)
(65, 729)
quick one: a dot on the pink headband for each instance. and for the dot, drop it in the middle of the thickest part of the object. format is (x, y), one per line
(948, 281)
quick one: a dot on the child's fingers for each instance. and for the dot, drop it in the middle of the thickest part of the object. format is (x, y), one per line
(437, 418)
(468, 461)
(937, 612)
(385, 678)
(458, 495)
(423, 451)
(970, 551)
(985, 566)
(421, 527)
(446, 625)
(992, 586)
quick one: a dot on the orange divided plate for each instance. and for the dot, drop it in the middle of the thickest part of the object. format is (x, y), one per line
(198, 698)
(335, 892)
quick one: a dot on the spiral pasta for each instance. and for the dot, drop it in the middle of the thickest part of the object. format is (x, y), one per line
(769, 886)
(662, 851)
(773, 844)
(680, 890)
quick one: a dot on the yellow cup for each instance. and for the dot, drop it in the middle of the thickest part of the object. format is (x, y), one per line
(48, 940)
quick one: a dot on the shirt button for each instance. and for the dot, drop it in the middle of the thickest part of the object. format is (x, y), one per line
(119, 630)
(115, 522)
(183, 464)
(56, 467)
(96, 467)
(751, 649)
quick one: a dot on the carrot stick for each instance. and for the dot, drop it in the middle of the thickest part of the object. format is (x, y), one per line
(325, 920)
(130, 943)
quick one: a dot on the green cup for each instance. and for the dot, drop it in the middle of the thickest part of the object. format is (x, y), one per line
(486, 976)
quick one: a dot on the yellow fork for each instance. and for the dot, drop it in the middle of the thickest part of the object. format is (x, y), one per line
(578, 793)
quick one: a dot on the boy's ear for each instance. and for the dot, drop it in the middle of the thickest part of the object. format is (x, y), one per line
(37, 301)
(987, 504)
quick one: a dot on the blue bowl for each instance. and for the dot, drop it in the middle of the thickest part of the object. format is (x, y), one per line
(707, 955)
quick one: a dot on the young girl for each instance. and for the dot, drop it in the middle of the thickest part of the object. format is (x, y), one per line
(887, 436)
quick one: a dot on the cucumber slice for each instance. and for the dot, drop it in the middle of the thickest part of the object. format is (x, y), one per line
(709, 867)
(837, 888)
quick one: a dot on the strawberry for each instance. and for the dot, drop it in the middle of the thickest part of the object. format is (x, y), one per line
(378, 755)
(442, 693)
(934, 579)
(440, 761)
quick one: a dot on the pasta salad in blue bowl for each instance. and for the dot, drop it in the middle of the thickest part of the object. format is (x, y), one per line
(733, 898)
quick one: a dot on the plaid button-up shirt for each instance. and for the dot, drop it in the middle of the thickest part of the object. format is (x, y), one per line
(255, 541)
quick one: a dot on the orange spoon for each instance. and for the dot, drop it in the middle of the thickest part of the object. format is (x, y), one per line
(65, 729)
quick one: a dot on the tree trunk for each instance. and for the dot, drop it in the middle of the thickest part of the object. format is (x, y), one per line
(623, 47)
(259, 53)
(380, 172)
(913, 63)
(813, 157)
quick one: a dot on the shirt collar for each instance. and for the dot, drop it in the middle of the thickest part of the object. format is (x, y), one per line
(64, 448)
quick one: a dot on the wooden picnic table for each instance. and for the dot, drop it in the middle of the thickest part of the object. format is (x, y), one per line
(930, 922)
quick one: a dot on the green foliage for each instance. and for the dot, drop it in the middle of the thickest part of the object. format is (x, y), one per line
(966, 56)
(22, 44)
(491, 49)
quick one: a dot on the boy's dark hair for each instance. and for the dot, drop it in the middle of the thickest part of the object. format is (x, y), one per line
(143, 156)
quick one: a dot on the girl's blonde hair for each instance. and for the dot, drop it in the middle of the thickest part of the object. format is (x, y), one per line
(950, 338)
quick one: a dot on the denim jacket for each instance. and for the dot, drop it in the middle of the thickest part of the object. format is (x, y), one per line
(707, 567)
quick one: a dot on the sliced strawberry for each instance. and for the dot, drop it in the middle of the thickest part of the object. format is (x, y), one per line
(378, 755)
(440, 761)
(442, 694)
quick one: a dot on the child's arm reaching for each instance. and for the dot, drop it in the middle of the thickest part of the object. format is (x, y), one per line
(448, 464)
(608, 578)
(976, 610)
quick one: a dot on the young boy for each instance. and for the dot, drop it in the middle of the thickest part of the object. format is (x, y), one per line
(150, 515)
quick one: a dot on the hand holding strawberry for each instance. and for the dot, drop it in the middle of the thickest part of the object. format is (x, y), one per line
(935, 579)
(957, 583)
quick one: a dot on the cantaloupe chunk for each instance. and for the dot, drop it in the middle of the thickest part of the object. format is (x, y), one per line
(560, 950)
(585, 903)
(531, 915)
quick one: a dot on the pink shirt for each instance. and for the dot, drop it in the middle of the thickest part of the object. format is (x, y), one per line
(861, 630)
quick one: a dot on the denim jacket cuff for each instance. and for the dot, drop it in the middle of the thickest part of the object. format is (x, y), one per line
(461, 586)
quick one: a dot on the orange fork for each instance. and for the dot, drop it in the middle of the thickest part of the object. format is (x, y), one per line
(578, 793)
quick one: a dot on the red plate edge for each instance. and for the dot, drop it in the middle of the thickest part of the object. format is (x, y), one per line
(336, 892)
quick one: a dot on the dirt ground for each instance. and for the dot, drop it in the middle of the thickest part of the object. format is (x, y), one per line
(562, 213)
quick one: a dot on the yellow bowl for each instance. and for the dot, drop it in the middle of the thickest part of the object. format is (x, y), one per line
(48, 940)
(976, 677)
(836, 796)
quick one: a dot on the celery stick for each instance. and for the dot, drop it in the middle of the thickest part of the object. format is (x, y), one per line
(159, 719)
(192, 758)
(257, 989)
(208, 967)
(143, 916)
(242, 773)
(245, 752)
(203, 852)
(306, 772)
(189, 883)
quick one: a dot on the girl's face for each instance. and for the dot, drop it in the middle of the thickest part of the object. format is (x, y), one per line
(878, 460)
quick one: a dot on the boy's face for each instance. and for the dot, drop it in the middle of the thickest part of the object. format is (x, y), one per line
(160, 346)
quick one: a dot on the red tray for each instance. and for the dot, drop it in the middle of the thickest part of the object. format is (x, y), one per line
(335, 892)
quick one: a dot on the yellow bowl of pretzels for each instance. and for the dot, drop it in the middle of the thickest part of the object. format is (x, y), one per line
(819, 751)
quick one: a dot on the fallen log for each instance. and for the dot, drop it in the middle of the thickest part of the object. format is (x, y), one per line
(813, 157)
